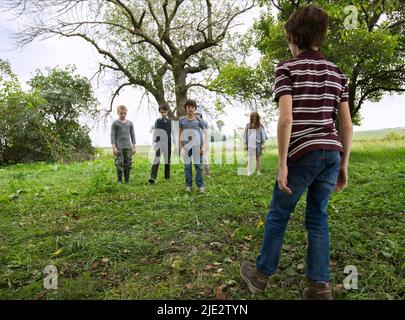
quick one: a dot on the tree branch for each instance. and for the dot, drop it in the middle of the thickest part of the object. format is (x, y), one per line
(117, 92)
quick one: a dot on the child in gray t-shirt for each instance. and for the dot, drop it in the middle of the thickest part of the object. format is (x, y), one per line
(123, 143)
(191, 139)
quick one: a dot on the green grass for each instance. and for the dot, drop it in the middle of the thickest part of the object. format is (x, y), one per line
(112, 241)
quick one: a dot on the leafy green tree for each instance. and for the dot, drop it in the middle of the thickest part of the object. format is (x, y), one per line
(43, 124)
(168, 48)
(66, 96)
(23, 131)
(366, 40)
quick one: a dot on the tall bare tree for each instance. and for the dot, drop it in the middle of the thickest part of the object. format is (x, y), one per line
(165, 47)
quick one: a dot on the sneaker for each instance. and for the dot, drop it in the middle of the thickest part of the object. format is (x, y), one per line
(188, 189)
(151, 181)
(201, 190)
(318, 291)
(255, 280)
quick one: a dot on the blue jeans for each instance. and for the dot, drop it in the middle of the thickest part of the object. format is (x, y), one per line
(316, 171)
(192, 155)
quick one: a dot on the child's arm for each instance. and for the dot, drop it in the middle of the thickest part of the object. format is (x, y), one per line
(132, 132)
(180, 144)
(112, 138)
(205, 143)
(345, 134)
(263, 137)
(284, 127)
(245, 138)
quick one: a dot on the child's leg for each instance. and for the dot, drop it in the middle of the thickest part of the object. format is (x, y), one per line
(301, 174)
(258, 163)
(127, 163)
(199, 177)
(251, 161)
(281, 207)
(167, 157)
(198, 164)
(188, 169)
(206, 163)
(155, 166)
(119, 164)
(316, 219)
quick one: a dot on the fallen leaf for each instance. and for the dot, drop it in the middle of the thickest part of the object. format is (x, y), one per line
(58, 252)
(105, 260)
(210, 267)
(189, 285)
(286, 247)
(217, 263)
(217, 244)
(291, 272)
(219, 294)
(339, 288)
(230, 282)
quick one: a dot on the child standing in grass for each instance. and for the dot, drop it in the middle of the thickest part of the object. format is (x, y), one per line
(254, 139)
(192, 133)
(312, 92)
(162, 132)
(206, 161)
(122, 134)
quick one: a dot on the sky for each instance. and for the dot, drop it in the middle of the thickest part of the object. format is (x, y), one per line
(388, 113)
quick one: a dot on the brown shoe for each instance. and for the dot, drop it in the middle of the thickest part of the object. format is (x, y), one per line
(318, 291)
(255, 280)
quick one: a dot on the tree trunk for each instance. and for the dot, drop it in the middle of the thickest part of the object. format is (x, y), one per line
(181, 91)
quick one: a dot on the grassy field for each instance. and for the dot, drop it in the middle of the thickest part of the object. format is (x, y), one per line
(112, 241)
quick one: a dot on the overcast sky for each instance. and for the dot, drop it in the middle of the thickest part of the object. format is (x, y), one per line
(389, 113)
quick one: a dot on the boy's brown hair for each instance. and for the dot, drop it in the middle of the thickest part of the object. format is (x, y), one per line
(254, 121)
(164, 107)
(190, 102)
(307, 27)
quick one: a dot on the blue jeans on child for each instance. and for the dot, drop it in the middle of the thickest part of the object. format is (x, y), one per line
(193, 155)
(316, 171)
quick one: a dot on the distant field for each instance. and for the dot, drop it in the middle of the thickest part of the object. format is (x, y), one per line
(379, 134)
(396, 133)
(111, 241)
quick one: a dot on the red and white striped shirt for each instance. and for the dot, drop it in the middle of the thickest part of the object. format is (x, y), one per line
(317, 87)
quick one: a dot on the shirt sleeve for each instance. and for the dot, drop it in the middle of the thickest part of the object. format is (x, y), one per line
(132, 132)
(263, 135)
(345, 92)
(245, 135)
(282, 84)
(154, 132)
(112, 134)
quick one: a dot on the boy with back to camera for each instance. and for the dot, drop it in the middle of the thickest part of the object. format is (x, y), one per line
(312, 156)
